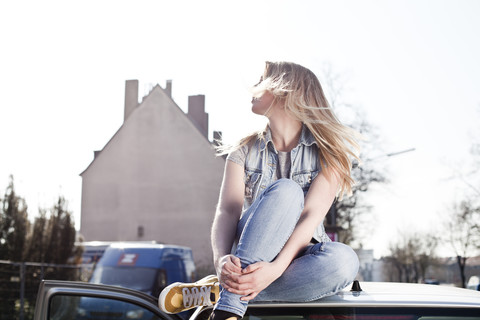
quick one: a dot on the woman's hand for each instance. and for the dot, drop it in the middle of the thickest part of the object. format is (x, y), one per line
(253, 279)
(228, 267)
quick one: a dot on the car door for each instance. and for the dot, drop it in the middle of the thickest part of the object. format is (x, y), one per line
(66, 300)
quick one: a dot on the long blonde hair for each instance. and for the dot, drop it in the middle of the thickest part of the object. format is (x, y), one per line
(302, 94)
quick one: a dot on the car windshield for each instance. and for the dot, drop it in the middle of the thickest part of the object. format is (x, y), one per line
(141, 279)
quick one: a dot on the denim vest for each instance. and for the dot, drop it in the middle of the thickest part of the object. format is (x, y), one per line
(261, 165)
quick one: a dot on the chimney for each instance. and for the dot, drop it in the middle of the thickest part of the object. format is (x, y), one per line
(196, 113)
(168, 88)
(131, 97)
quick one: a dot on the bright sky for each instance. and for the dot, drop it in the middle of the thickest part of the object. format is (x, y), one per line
(411, 65)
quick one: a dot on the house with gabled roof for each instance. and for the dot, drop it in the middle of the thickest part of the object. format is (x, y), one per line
(157, 179)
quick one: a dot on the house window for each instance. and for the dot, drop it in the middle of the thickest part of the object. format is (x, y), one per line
(140, 231)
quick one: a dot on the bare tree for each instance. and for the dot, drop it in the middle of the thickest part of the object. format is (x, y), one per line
(463, 225)
(410, 257)
(346, 215)
(463, 233)
(475, 153)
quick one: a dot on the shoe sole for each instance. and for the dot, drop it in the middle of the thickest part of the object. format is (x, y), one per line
(163, 296)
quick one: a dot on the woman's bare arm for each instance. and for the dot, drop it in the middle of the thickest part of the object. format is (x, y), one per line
(226, 219)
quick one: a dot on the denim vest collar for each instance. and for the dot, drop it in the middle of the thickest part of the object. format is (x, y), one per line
(306, 138)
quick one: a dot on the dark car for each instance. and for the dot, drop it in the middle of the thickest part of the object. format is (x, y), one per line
(60, 300)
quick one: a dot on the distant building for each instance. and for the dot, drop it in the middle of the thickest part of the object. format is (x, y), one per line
(370, 269)
(157, 178)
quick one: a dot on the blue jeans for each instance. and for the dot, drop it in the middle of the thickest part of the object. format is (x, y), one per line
(321, 270)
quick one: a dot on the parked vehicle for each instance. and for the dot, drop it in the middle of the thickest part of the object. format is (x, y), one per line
(474, 283)
(92, 250)
(145, 267)
(60, 300)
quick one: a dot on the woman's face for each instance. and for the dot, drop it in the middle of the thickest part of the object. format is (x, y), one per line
(261, 105)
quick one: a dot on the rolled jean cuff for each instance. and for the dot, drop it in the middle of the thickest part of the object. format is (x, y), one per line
(237, 311)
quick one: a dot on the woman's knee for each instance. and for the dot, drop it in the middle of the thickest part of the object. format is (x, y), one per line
(281, 200)
(348, 260)
(287, 188)
(343, 260)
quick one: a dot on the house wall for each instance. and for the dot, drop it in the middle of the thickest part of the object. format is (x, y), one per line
(156, 179)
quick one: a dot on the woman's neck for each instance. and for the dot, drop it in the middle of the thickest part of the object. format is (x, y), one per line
(285, 133)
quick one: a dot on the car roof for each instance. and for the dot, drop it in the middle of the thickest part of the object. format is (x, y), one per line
(385, 294)
(145, 245)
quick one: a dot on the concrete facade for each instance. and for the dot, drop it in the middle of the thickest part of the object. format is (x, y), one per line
(157, 178)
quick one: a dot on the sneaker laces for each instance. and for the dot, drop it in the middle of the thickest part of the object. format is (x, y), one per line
(196, 296)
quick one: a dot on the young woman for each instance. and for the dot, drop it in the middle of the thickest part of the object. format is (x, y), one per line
(277, 188)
